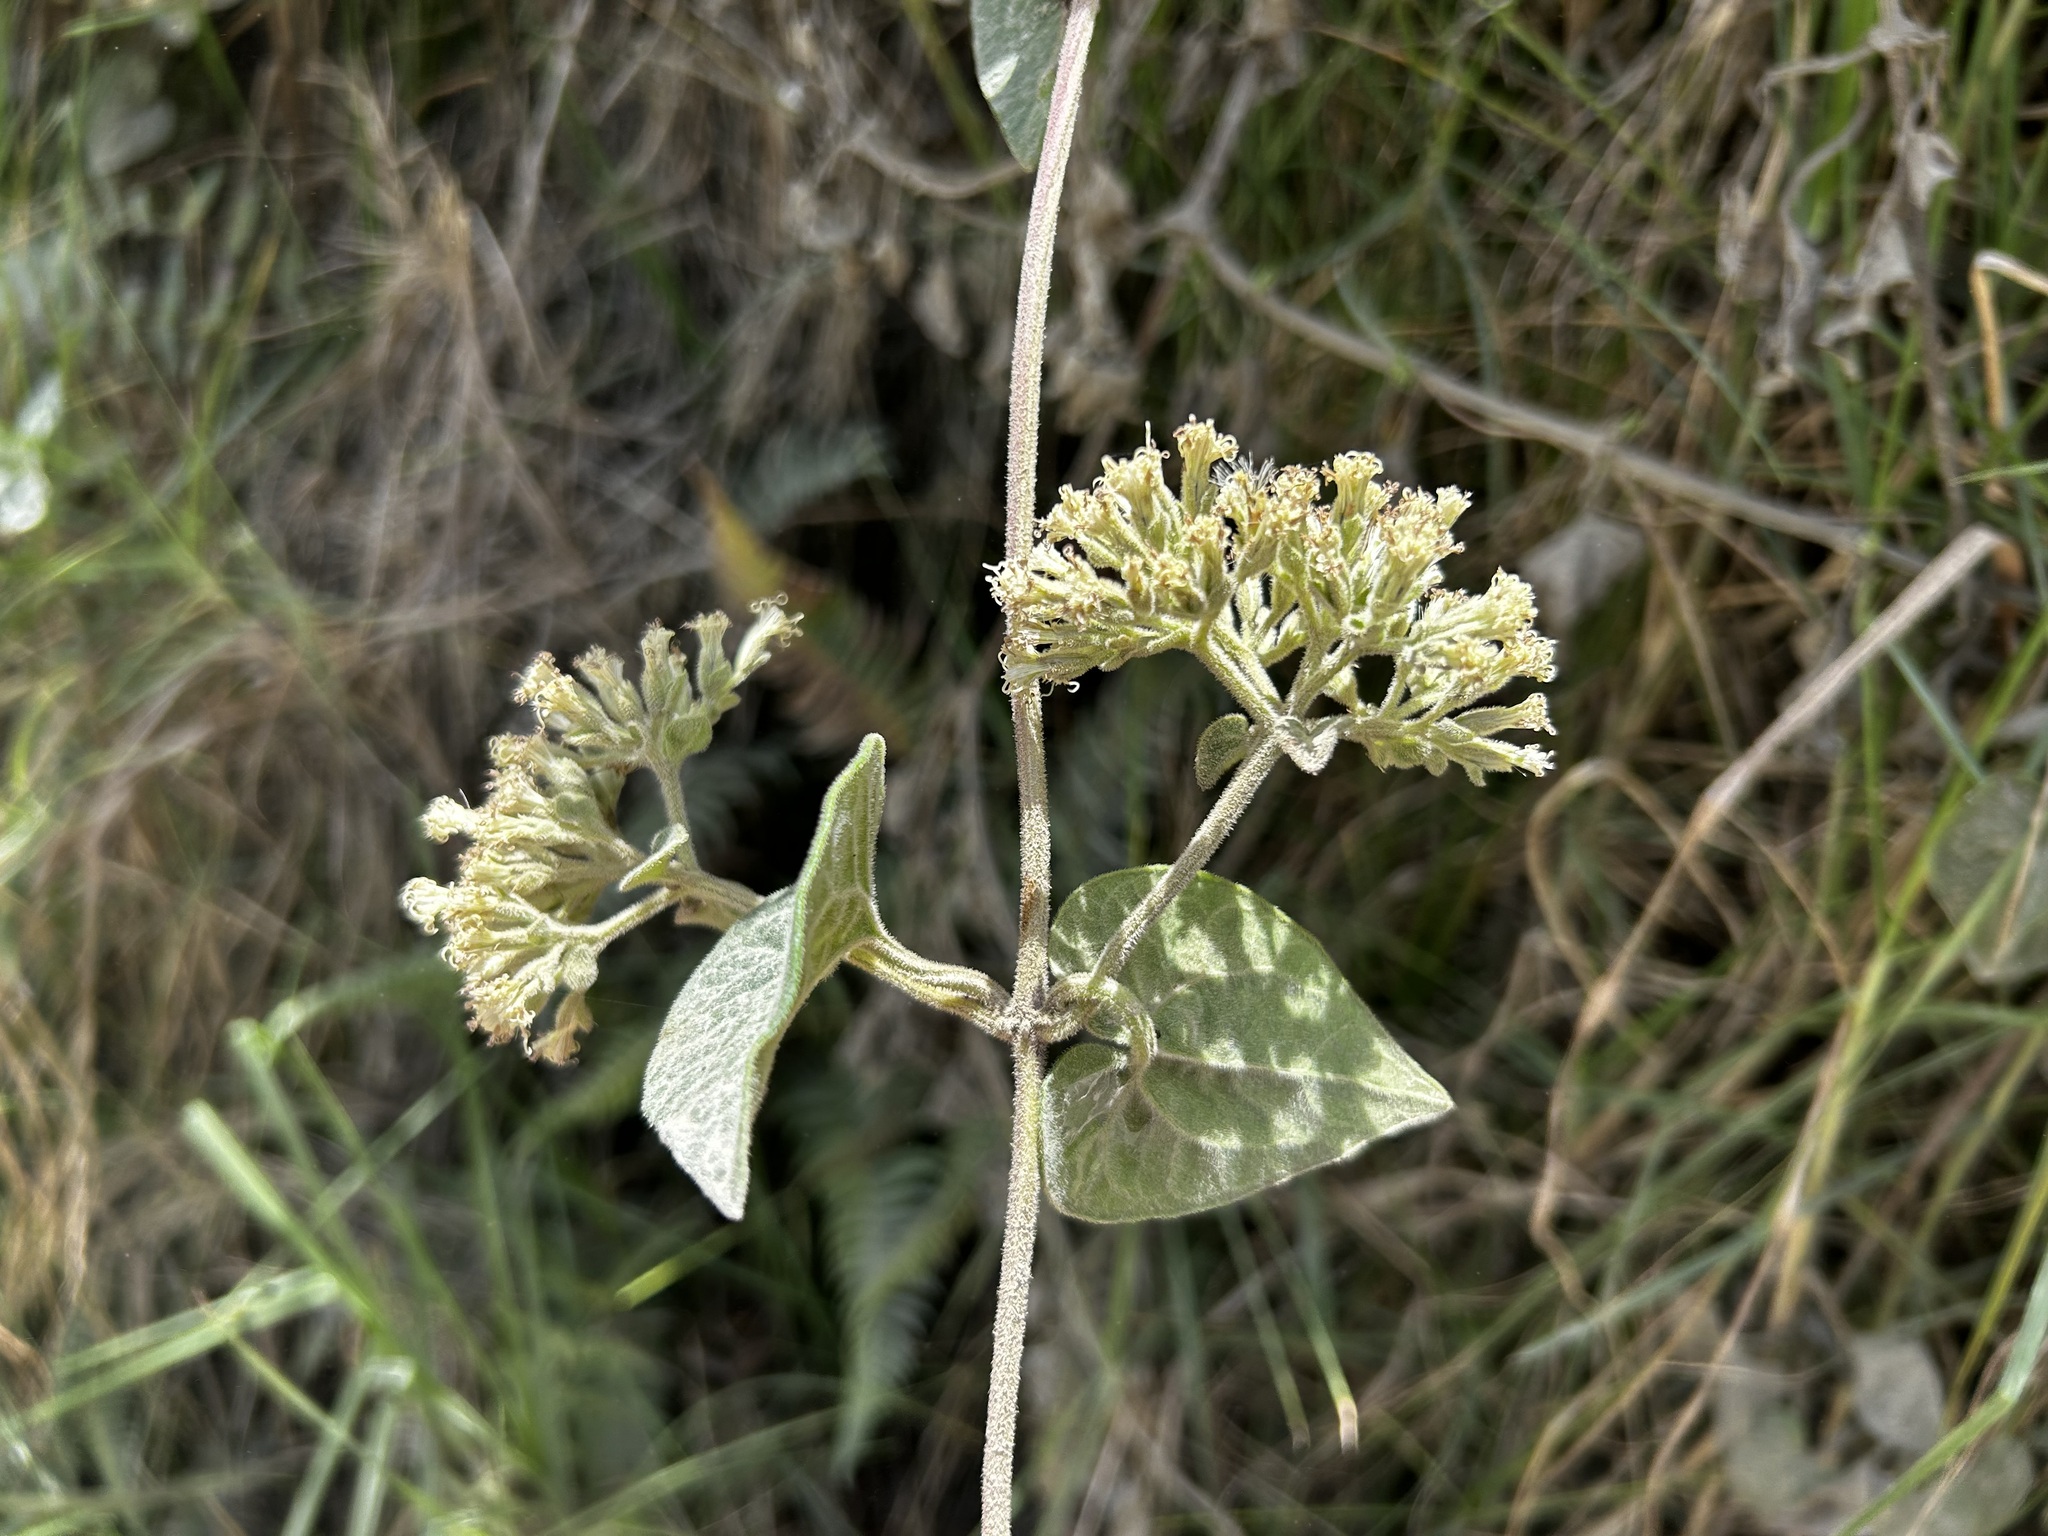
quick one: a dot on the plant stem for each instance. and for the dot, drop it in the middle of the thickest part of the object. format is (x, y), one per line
(1027, 362)
(1034, 826)
(670, 776)
(622, 921)
(1201, 848)
(707, 901)
(1013, 1289)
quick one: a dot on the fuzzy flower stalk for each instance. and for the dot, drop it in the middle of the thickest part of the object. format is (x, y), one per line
(545, 846)
(1248, 567)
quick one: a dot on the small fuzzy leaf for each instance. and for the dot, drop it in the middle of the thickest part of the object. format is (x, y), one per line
(1984, 1498)
(1266, 1063)
(1309, 746)
(1770, 1467)
(125, 121)
(1016, 48)
(671, 853)
(1898, 1390)
(1985, 855)
(1221, 748)
(710, 1066)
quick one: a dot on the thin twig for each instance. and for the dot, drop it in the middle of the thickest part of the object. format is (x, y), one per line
(1238, 100)
(942, 184)
(1514, 418)
(533, 154)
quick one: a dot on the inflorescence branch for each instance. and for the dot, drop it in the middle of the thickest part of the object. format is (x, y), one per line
(1249, 568)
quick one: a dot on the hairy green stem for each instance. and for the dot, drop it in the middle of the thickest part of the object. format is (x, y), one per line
(1223, 815)
(1027, 363)
(670, 777)
(709, 902)
(1013, 1288)
(622, 921)
(1238, 667)
(1034, 851)
(959, 990)
(1027, 719)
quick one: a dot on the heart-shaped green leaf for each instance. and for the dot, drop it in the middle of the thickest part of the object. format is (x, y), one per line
(1266, 1063)
(710, 1066)
(1016, 49)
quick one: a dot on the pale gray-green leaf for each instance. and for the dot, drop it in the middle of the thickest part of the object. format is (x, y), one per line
(1788, 1489)
(125, 120)
(1016, 48)
(837, 886)
(1267, 1063)
(1221, 748)
(1984, 1498)
(1770, 1468)
(1897, 1390)
(1575, 568)
(710, 1066)
(1991, 851)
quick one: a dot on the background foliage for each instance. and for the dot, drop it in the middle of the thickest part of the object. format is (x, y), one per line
(397, 340)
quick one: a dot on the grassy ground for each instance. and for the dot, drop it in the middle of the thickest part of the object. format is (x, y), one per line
(393, 341)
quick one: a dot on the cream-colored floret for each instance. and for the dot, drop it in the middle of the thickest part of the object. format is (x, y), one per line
(1250, 566)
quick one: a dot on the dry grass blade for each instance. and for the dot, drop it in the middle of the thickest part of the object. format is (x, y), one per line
(1604, 995)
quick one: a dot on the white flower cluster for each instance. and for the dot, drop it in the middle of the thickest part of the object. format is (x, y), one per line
(1247, 567)
(545, 844)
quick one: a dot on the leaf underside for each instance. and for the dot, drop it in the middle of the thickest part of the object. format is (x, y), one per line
(710, 1066)
(1221, 748)
(1016, 50)
(1268, 1064)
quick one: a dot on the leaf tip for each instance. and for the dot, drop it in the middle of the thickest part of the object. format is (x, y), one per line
(726, 1189)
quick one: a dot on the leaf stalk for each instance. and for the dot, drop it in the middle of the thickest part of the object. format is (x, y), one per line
(960, 990)
(1265, 752)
